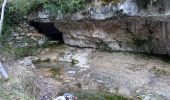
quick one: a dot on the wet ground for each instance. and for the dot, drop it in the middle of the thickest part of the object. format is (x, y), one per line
(66, 69)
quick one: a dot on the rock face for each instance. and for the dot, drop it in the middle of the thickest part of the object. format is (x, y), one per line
(113, 26)
(98, 10)
(137, 34)
(125, 8)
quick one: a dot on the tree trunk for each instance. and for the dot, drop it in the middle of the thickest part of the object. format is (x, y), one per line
(2, 70)
(2, 15)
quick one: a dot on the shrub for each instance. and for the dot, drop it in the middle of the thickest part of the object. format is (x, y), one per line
(109, 1)
(145, 3)
(64, 6)
(17, 9)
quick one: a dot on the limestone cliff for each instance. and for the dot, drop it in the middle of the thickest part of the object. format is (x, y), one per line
(98, 10)
(129, 25)
(137, 34)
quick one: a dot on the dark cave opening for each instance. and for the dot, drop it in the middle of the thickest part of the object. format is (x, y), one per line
(48, 29)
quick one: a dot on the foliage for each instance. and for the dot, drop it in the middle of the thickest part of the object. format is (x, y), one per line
(17, 9)
(158, 72)
(64, 6)
(16, 52)
(93, 95)
(21, 52)
(13, 95)
(25, 6)
(113, 1)
(145, 3)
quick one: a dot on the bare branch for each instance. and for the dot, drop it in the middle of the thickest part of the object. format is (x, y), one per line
(2, 15)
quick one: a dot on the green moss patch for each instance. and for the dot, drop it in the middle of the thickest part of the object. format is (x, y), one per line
(111, 1)
(94, 95)
(158, 72)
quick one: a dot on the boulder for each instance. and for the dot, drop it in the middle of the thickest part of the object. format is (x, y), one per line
(26, 62)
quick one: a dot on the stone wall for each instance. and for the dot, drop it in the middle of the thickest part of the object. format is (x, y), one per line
(25, 36)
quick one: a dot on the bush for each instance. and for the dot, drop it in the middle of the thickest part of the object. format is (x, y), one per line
(109, 1)
(145, 3)
(17, 9)
(64, 6)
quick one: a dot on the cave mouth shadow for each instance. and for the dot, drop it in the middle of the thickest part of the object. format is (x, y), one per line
(48, 29)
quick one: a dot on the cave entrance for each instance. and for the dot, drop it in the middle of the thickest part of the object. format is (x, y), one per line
(49, 30)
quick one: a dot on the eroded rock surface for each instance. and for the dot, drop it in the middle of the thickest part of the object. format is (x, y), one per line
(98, 10)
(130, 25)
(136, 34)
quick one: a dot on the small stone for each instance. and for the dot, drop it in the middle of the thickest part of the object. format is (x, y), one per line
(18, 37)
(31, 28)
(45, 51)
(67, 57)
(41, 42)
(35, 59)
(72, 72)
(44, 59)
(60, 98)
(26, 62)
(29, 34)
(22, 33)
(54, 58)
(154, 97)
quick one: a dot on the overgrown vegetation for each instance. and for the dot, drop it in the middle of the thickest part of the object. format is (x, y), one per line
(19, 52)
(158, 72)
(93, 95)
(23, 51)
(16, 10)
(65, 7)
(145, 3)
(13, 95)
(111, 1)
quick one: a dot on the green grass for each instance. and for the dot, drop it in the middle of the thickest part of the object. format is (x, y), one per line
(111, 1)
(13, 95)
(23, 51)
(93, 95)
(18, 52)
(158, 72)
